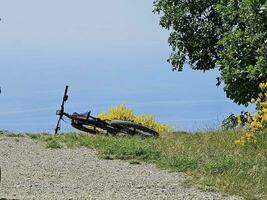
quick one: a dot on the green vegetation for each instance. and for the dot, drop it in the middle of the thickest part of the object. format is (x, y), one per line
(212, 159)
(10, 134)
(122, 112)
(224, 34)
(53, 143)
(3, 132)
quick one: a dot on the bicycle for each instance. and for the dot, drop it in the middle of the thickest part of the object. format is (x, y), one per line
(93, 125)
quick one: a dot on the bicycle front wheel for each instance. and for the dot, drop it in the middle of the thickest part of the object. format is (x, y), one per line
(133, 128)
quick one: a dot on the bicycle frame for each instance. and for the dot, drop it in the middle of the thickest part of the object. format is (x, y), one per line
(81, 121)
(93, 125)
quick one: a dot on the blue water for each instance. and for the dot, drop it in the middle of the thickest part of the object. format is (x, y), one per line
(172, 97)
(108, 53)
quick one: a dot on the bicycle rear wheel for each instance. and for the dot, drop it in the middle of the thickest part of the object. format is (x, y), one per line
(133, 128)
(87, 129)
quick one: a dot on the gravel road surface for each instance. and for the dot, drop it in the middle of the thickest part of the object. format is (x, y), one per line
(31, 171)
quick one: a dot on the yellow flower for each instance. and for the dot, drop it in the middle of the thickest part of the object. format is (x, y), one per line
(257, 116)
(124, 113)
(264, 117)
(255, 124)
(258, 121)
(249, 135)
(262, 86)
(264, 104)
(237, 141)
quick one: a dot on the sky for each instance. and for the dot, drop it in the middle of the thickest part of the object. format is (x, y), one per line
(109, 53)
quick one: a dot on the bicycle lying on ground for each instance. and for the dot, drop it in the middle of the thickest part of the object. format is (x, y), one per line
(93, 125)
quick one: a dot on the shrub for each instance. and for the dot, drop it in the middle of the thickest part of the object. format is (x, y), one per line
(255, 124)
(235, 121)
(122, 112)
(53, 143)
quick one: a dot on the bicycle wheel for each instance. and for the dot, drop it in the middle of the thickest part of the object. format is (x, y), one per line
(86, 129)
(133, 128)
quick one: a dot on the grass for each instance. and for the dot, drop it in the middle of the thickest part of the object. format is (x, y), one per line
(212, 159)
(2, 132)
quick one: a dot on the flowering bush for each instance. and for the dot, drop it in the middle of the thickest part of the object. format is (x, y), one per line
(123, 113)
(119, 112)
(257, 123)
(236, 121)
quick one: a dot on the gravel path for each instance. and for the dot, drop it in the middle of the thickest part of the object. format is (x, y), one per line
(30, 171)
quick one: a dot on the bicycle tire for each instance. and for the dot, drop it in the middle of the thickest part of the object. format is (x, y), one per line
(86, 129)
(137, 128)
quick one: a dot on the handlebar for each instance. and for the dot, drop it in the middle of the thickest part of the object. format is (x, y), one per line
(61, 111)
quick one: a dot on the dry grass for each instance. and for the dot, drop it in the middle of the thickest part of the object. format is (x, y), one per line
(212, 158)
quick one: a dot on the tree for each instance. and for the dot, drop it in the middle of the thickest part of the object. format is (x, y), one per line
(230, 35)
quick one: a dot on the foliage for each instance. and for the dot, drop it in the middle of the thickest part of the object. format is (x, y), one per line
(255, 124)
(3, 131)
(53, 143)
(211, 157)
(119, 112)
(123, 113)
(228, 35)
(195, 27)
(236, 121)
(243, 56)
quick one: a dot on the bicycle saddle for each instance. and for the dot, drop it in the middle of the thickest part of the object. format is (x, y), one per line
(83, 115)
